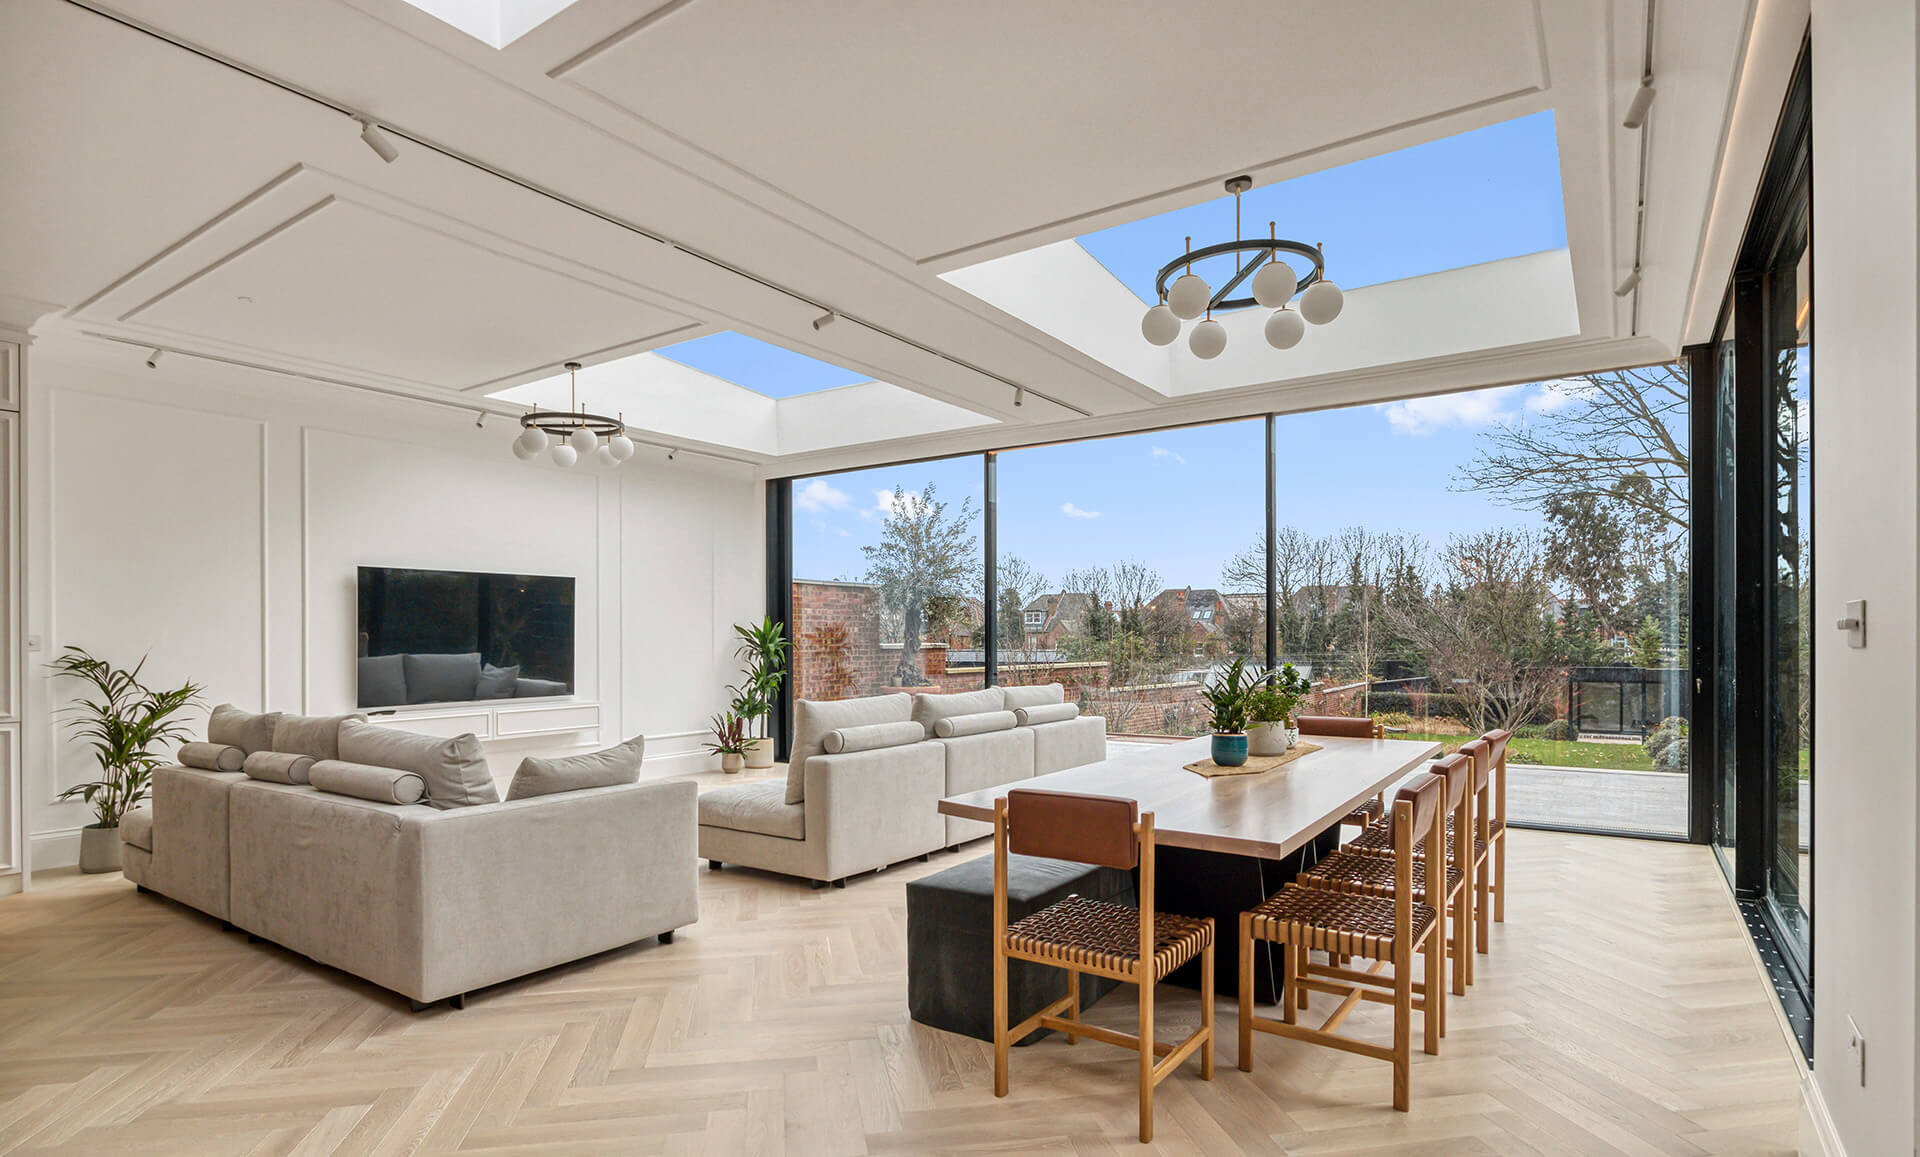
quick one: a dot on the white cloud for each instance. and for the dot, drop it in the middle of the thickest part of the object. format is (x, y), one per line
(819, 495)
(1072, 511)
(887, 505)
(1499, 406)
(1170, 455)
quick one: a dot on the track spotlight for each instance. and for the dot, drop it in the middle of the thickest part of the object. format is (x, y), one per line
(153, 359)
(1631, 283)
(1642, 101)
(378, 141)
(670, 454)
(1019, 396)
(480, 420)
(824, 320)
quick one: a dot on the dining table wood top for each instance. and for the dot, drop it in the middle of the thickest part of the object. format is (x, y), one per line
(1268, 814)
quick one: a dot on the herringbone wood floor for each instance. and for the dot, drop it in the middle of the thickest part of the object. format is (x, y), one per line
(1618, 1013)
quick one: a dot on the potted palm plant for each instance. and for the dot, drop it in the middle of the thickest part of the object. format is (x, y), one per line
(123, 720)
(1270, 708)
(763, 648)
(1225, 694)
(729, 741)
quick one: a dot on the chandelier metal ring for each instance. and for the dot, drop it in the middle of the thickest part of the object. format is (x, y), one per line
(1267, 248)
(563, 423)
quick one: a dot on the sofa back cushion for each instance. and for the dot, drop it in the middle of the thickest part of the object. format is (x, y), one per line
(316, 736)
(442, 678)
(929, 710)
(812, 719)
(615, 765)
(1041, 696)
(242, 729)
(383, 680)
(455, 770)
(847, 740)
(364, 781)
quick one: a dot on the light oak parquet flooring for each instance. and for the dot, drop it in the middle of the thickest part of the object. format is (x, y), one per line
(1620, 1013)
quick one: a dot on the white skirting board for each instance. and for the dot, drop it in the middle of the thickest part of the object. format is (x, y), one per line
(54, 849)
(1818, 1136)
(11, 884)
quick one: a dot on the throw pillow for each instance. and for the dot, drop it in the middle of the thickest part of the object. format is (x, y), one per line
(874, 736)
(455, 770)
(1018, 697)
(379, 784)
(312, 735)
(615, 765)
(1048, 713)
(211, 756)
(812, 719)
(242, 729)
(442, 678)
(496, 682)
(538, 688)
(383, 681)
(955, 726)
(278, 767)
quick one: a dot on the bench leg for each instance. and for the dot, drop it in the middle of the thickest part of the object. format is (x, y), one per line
(714, 865)
(420, 1006)
(143, 889)
(841, 882)
(458, 1000)
(667, 936)
(818, 884)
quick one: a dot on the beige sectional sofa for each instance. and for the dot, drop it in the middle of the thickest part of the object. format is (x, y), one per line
(431, 902)
(866, 776)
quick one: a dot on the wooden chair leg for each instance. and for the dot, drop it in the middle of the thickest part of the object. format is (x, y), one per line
(1403, 1023)
(1500, 878)
(1146, 1053)
(1464, 930)
(1483, 906)
(1073, 1004)
(1289, 979)
(1000, 1025)
(1457, 946)
(1206, 1013)
(1434, 1019)
(1246, 992)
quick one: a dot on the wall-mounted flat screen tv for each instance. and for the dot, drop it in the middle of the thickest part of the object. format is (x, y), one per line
(445, 636)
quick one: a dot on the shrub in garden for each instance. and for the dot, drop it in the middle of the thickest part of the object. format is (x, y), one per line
(1561, 731)
(1667, 744)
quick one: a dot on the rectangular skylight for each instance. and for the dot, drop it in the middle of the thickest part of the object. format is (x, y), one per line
(760, 366)
(495, 22)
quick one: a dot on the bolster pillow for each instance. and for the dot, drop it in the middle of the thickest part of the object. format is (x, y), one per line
(365, 781)
(1047, 713)
(954, 726)
(847, 740)
(211, 756)
(278, 766)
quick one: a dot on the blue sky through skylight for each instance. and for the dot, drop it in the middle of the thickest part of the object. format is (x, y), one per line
(1463, 200)
(760, 366)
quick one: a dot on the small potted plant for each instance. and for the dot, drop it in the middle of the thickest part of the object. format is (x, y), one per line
(763, 648)
(123, 720)
(1271, 708)
(1225, 695)
(729, 741)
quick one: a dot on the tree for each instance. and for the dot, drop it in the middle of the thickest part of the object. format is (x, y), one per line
(1587, 549)
(1649, 645)
(923, 555)
(1019, 584)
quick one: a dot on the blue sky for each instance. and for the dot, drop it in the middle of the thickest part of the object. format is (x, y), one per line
(760, 366)
(1184, 501)
(1462, 200)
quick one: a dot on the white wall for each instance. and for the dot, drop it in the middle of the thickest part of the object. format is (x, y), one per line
(212, 517)
(1866, 371)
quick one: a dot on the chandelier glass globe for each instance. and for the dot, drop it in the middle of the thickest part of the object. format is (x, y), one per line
(583, 442)
(1187, 297)
(1285, 329)
(621, 447)
(1209, 338)
(1160, 326)
(565, 455)
(522, 451)
(1321, 302)
(532, 439)
(604, 456)
(1273, 286)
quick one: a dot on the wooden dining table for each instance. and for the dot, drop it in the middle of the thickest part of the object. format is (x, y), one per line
(1225, 843)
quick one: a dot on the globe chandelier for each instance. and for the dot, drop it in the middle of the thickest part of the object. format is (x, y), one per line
(573, 434)
(1274, 284)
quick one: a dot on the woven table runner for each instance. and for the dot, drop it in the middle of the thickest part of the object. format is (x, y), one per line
(1255, 764)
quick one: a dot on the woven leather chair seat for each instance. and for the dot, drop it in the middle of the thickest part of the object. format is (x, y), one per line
(1378, 838)
(1335, 921)
(1095, 934)
(1369, 875)
(1366, 812)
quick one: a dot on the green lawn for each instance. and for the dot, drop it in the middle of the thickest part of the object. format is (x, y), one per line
(1610, 756)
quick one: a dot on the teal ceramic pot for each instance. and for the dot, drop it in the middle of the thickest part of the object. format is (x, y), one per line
(1230, 750)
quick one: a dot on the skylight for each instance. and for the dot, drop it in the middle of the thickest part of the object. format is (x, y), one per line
(495, 22)
(1463, 200)
(760, 366)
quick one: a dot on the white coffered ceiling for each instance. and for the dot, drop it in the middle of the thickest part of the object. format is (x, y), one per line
(644, 173)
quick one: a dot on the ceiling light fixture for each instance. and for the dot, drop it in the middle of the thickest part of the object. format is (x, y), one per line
(1629, 284)
(573, 433)
(153, 359)
(824, 320)
(1642, 101)
(1019, 396)
(1275, 283)
(480, 420)
(378, 141)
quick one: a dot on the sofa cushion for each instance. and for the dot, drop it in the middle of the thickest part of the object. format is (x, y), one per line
(442, 678)
(760, 808)
(929, 710)
(317, 736)
(455, 770)
(496, 682)
(242, 729)
(136, 828)
(383, 680)
(813, 718)
(953, 726)
(1050, 713)
(210, 756)
(1018, 697)
(538, 688)
(362, 781)
(615, 765)
(278, 766)
(872, 737)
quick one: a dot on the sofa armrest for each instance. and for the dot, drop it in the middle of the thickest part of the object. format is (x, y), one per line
(874, 808)
(512, 888)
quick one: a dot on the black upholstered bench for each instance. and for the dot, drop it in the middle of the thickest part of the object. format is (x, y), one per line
(950, 941)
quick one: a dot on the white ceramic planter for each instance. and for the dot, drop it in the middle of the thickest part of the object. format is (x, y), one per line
(1267, 739)
(759, 753)
(99, 848)
(731, 762)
